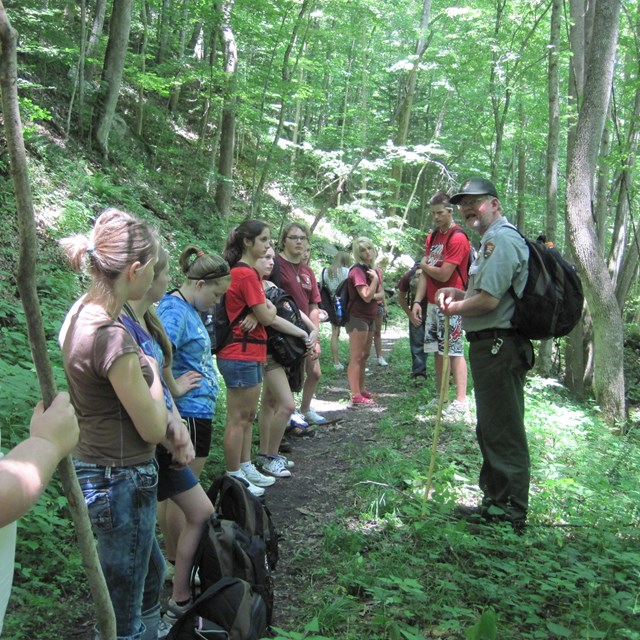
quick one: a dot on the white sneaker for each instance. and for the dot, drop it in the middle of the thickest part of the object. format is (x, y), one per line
(339, 366)
(297, 420)
(274, 465)
(252, 488)
(255, 477)
(382, 362)
(457, 412)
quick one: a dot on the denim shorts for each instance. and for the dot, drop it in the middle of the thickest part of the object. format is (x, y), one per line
(172, 482)
(240, 374)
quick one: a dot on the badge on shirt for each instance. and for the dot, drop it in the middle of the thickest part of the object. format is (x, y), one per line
(488, 249)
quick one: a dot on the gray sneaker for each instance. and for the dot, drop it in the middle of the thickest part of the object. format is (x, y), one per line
(275, 466)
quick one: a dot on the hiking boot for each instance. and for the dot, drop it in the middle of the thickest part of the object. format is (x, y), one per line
(252, 488)
(255, 477)
(314, 418)
(274, 465)
(174, 611)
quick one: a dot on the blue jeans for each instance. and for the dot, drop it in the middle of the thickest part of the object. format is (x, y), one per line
(122, 508)
(416, 344)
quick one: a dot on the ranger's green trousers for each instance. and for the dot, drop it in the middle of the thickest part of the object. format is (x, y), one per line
(498, 380)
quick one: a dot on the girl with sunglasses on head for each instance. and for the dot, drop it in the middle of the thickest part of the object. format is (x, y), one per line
(117, 393)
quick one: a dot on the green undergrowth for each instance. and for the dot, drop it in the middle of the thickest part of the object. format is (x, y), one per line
(396, 565)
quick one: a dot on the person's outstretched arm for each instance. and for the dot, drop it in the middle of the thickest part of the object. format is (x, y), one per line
(27, 469)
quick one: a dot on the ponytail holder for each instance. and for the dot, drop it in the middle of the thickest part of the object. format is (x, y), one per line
(199, 254)
(90, 249)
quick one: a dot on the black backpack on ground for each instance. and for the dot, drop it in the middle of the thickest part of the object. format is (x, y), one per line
(552, 302)
(228, 610)
(287, 350)
(233, 501)
(343, 295)
(226, 550)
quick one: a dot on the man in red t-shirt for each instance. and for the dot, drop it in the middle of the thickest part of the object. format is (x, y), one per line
(299, 281)
(445, 264)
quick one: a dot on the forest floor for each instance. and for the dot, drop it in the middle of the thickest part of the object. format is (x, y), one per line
(303, 505)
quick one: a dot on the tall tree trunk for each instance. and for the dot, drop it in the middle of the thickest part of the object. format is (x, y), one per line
(112, 70)
(545, 350)
(143, 67)
(575, 347)
(96, 32)
(164, 29)
(607, 319)
(224, 187)
(405, 103)
(79, 74)
(35, 327)
(601, 207)
(522, 172)
(182, 42)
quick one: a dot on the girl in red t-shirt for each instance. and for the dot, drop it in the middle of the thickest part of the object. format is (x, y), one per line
(365, 291)
(241, 361)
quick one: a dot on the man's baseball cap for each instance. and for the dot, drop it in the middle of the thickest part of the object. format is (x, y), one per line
(475, 186)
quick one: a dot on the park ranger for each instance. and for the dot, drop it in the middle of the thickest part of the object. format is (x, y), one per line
(499, 357)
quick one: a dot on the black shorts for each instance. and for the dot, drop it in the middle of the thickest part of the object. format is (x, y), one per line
(200, 430)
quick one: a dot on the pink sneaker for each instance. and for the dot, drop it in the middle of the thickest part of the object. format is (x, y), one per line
(361, 400)
(368, 395)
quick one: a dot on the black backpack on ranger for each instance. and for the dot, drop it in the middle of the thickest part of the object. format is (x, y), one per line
(552, 302)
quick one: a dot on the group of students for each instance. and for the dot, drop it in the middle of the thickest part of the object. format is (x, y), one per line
(143, 386)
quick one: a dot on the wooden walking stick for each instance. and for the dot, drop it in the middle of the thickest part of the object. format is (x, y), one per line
(444, 392)
(35, 330)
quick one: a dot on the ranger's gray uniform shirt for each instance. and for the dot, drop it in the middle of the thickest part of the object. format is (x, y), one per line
(501, 262)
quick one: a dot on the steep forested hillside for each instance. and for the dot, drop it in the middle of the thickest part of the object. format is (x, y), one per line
(349, 115)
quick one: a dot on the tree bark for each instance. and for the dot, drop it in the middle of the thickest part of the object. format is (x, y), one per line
(96, 32)
(575, 347)
(28, 294)
(405, 103)
(224, 187)
(112, 70)
(607, 319)
(545, 351)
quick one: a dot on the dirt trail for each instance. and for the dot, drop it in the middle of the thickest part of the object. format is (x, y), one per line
(302, 505)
